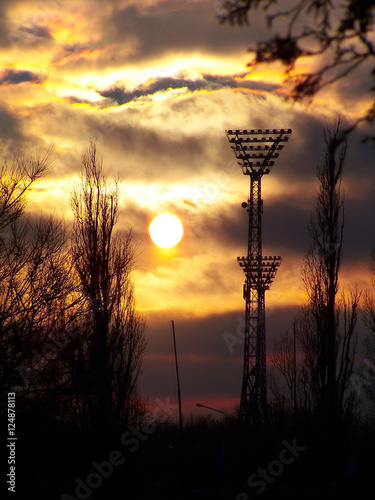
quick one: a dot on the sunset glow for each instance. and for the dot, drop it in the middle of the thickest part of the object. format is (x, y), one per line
(157, 83)
(166, 230)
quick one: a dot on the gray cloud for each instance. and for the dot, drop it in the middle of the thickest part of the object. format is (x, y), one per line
(5, 31)
(4, 40)
(37, 31)
(222, 374)
(359, 229)
(149, 153)
(77, 100)
(10, 130)
(121, 96)
(172, 26)
(284, 228)
(203, 337)
(14, 76)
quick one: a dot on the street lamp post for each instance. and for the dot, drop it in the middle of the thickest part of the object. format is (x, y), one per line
(213, 409)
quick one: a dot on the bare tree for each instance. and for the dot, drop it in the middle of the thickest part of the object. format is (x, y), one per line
(326, 325)
(337, 37)
(282, 359)
(368, 370)
(33, 299)
(329, 352)
(112, 354)
(36, 285)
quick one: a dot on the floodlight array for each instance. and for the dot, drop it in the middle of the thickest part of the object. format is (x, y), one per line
(260, 272)
(266, 150)
(261, 131)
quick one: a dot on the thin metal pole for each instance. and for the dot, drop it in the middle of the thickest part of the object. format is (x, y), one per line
(178, 378)
(295, 370)
(214, 409)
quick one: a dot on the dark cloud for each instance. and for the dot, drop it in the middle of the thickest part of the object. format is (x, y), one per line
(77, 54)
(28, 37)
(206, 364)
(77, 100)
(121, 96)
(4, 40)
(10, 129)
(12, 33)
(359, 229)
(15, 76)
(227, 229)
(37, 31)
(76, 48)
(208, 82)
(284, 227)
(5, 30)
(360, 155)
(286, 216)
(149, 153)
(177, 26)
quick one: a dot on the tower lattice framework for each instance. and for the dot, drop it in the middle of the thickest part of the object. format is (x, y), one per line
(256, 151)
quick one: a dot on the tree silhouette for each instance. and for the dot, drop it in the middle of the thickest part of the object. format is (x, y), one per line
(328, 349)
(34, 305)
(35, 281)
(368, 370)
(338, 38)
(108, 359)
(329, 355)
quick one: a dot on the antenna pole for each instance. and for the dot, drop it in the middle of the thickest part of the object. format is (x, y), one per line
(178, 378)
(294, 371)
(255, 151)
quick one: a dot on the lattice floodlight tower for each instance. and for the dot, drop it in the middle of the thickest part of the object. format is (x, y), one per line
(256, 151)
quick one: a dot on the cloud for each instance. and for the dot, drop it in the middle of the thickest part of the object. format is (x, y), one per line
(159, 82)
(37, 31)
(14, 77)
(10, 129)
(208, 368)
(178, 141)
(78, 100)
(150, 149)
(202, 349)
(208, 82)
(76, 57)
(5, 32)
(284, 227)
(28, 36)
(172, 26)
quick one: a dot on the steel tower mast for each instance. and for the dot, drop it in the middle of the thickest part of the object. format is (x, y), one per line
(255, 151)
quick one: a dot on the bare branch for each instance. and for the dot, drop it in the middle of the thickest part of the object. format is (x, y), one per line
(311, 29)
(15, 181)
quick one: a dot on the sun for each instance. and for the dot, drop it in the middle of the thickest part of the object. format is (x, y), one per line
(166, 230)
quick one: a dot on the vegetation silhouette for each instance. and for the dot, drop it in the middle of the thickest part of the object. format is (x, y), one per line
(337, 38)
(72, 343)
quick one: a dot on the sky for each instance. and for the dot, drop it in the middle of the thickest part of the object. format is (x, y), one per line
(157, 83)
